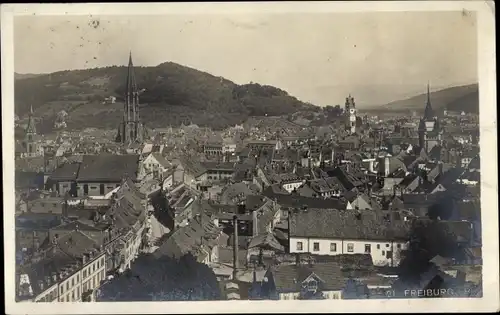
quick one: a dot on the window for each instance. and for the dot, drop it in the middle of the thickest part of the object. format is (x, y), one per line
(61, 289)
(67, 286)
(73, 282)
(77, 278)
(387, 245)
(368, 248)
(84, 273)
(350, 247)
(383, 252)
(378, 246)
(312, 285)
(333, 247)
(316, 246)
(77, 292)
(299, 245)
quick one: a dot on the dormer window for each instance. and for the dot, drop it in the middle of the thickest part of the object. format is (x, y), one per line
(312, 285)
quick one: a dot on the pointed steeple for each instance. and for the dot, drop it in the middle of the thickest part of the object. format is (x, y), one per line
(30, 128)
(131, 83)
(429, 113)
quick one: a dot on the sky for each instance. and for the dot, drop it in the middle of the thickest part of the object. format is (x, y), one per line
(377, 57)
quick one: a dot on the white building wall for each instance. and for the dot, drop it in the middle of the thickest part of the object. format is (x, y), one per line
(378, 249)
(94, 188)
(289, 187)
(231, 148)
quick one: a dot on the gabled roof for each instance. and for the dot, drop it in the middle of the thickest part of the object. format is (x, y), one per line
(161, 160)
(200, 232)
(76, 243)
(267, 240)
(66, 172)
(108, 167)
(290, 278)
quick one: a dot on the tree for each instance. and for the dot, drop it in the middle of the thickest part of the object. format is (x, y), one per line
(163, 279)
(428, 238)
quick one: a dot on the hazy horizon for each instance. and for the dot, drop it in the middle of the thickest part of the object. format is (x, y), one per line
(378, 57)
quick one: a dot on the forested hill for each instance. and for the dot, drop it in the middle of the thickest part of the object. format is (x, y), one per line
(458, 98)
(171, 94)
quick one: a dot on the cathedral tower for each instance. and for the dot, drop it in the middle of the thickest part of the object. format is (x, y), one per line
(429, 129)
(131, 129)
(350, 114)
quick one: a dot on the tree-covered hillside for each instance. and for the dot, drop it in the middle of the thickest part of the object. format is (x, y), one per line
(171, 94)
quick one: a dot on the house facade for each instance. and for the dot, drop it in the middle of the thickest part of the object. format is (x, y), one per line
(335, 232)
(384, 253)
(304, 282)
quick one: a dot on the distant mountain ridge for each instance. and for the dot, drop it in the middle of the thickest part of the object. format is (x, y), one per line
(19, 76)
(458, 98)
(171, 94)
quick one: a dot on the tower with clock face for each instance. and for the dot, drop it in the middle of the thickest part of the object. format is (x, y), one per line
(350, 112)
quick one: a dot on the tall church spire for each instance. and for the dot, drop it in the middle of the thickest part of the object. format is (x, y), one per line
(131, 129)
(30, 128)
(131, 83)
(429, 112)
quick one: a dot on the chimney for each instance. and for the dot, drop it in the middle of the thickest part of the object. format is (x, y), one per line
(255, 223)
(386, 166)
(235, 247)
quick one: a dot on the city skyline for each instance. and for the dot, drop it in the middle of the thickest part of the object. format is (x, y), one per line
(368, 56)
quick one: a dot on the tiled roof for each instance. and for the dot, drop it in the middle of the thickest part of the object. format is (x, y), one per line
(76, 243)
(46, 205)
(265, 240)
(66, 172)
(331, 223)
(299, 201)
(188, 239)
(289, 278)
(225, 166)
(326, 184)
(108, 167)
(160, 159)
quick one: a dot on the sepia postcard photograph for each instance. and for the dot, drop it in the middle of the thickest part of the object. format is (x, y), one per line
(250, 157)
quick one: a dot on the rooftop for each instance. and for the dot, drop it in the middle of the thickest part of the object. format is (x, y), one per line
(364, 225)
(108, 167)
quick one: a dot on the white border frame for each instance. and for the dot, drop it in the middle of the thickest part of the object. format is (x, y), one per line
(488, 132)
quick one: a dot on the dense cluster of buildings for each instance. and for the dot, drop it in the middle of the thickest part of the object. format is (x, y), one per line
(277, 210)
